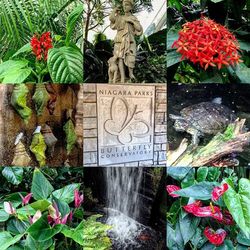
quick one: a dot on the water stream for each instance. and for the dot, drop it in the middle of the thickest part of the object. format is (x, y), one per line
(123, 186)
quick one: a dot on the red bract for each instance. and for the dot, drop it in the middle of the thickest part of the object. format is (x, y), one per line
(172, 188)
(26, 199)
(208, 211)
(78, 198)
(210, 44)
(216, 238)
(219, 191)
(40, 45)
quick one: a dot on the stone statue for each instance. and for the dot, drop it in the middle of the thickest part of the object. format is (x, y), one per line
(127, 27)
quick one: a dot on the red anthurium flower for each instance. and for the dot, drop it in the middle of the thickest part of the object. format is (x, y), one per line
(40, 45)
(208, 211)
(26, 199)
(172, 188)
(54, 216)
(219, 191)
(208, 43)
(216, 238)
(36, 217)
(78, 198)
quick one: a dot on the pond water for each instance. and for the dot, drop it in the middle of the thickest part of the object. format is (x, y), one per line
(234, 96)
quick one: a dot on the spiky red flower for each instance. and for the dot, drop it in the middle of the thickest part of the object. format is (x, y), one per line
(40, 45)
(208, 43)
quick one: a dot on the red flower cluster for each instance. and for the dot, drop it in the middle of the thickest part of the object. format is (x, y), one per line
(210, 44)
(40, 45)
(216, 238)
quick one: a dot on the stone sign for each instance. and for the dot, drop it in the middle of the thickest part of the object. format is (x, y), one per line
(125, 123)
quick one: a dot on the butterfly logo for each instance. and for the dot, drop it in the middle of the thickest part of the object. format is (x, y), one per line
(124, 122)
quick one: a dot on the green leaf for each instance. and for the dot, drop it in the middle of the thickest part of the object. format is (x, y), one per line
(41, 187)
(25, 48)
(174, 238)
(188, 226)
(202, 173)
(238, 204)
(7, 240)
(200, 191)
(213, 174)
(14, 175)
(243, 239)
(189, 179)
(62, 206)
(42, 231)
(173, 57)
(244, 45)
(41, 205)
(16, 75)
(75, 234)
(217, 1)
(16, 227)
(227, 245)
(198, 239)
(71, 22)
(172, 36)
(65, 65)
(31, 244)
(243, 73)
(66, 193)
(178, 173)
(12, 64)
(3, 216)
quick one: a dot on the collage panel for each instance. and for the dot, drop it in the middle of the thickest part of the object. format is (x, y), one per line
(124, 125)
(207, 42)
(208, 208)
(41, 208)
(41, 125)
(208, 125)
(125, 41)
(126, 206)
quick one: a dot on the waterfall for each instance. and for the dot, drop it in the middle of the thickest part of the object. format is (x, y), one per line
(123, 186)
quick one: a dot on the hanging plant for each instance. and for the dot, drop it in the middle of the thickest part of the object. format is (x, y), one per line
(40, 98)
(19, 101)
(38, 147)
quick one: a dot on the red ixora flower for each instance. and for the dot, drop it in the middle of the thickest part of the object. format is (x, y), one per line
(41, 44)
(172, 188)
(216, 238)
(219, 191)
(208, 43)
(209, 211)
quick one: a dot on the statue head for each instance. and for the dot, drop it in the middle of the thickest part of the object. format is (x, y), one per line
(127, 5)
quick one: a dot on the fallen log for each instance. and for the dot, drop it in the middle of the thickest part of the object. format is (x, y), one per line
(233, 140)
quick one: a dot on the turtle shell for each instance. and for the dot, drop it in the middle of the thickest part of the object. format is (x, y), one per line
(208, 117)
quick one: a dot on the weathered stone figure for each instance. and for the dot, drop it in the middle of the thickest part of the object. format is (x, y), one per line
(127, 27)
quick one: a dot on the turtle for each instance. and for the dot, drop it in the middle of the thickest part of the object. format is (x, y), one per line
(203, 118)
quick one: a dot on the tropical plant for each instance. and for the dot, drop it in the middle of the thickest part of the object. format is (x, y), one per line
(59, 61)
(210, 211)
(232, 18)
(44, 217)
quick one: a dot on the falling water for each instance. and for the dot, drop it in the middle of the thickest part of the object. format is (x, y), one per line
(123, 186)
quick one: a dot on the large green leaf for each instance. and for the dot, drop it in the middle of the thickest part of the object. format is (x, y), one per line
(243, 73)
(65, 65)
(6, 239)
(12, 64)
(25, 48)
(238, 204)
(75, 234)
(171, 37)
(3, 216)
(16, 227)
(14, 175)
(41, 187)
(42, 231)
(173, 57)
(178, 173)
(41, 205)
(66, 193)
(31, 244)
(174, 238)
(71, 22)
(202, 173)
(201, 190)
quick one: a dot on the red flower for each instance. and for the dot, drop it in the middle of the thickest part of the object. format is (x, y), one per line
(210, 44)
(172, 188)
(40, 45)
(219, 191)
(216, 238)
(78, 198)
(208, 211)
(26, 199)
